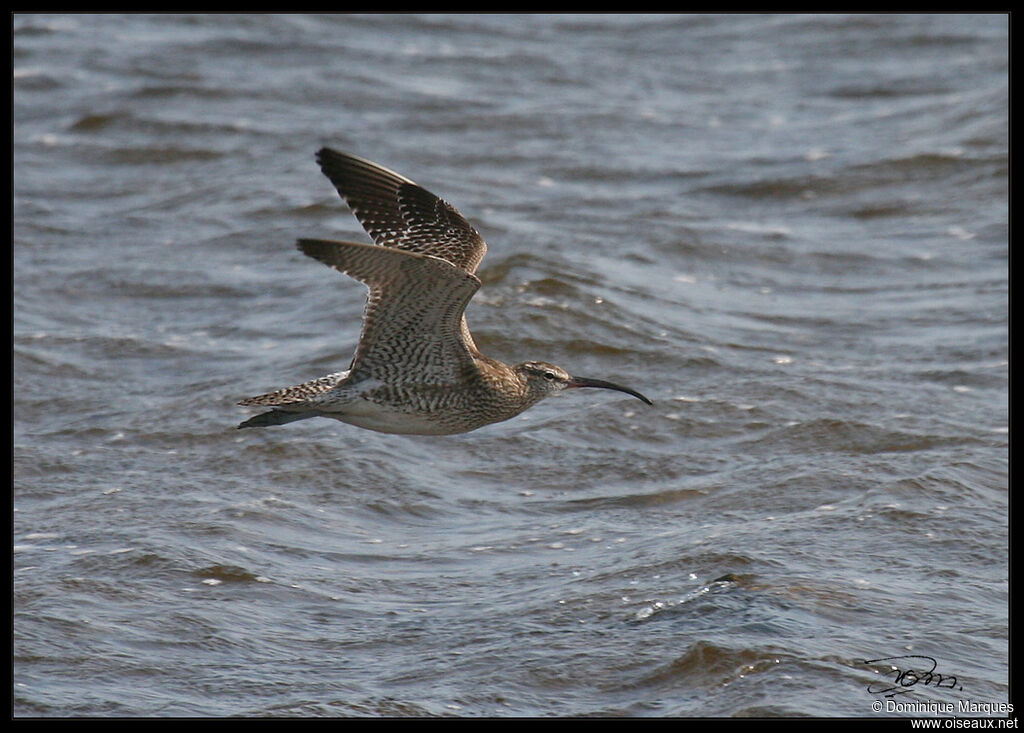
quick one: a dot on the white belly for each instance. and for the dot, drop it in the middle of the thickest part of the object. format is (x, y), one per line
(386, 419)
(394, 423)
(362, 404)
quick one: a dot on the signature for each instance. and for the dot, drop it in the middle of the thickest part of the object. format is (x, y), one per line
(903, 676)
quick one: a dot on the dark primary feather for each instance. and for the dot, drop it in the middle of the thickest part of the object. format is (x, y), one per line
(398, 213)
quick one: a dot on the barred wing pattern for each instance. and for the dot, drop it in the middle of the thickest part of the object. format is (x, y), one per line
(398, 213)
(412, 326)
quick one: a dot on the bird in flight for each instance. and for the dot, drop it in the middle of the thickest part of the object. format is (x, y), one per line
(416, 369)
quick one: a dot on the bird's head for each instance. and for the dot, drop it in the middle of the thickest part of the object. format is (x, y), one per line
(543, 380)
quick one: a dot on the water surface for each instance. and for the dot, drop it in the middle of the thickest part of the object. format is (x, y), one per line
(791, 232)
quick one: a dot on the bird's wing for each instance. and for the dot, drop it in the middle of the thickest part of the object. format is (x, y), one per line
(413, 326)
(398, 213)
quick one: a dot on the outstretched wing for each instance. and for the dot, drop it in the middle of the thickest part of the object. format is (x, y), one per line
(398, 213)
(413, 328)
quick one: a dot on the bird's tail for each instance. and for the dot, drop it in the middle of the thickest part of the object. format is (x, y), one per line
(299, 393)
(275, 417)
(293, 397)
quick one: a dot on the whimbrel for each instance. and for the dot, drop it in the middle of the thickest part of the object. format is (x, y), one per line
(416, 369)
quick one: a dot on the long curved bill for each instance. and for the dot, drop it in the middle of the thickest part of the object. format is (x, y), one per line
(584, 382)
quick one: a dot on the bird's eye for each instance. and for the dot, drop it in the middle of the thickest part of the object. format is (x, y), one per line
(549, 376)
